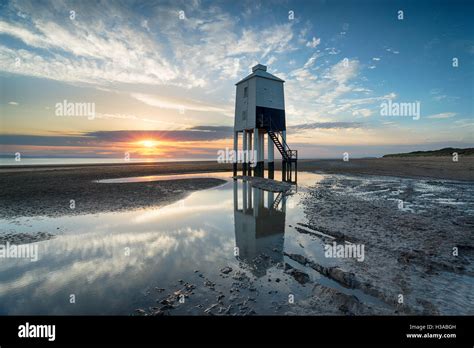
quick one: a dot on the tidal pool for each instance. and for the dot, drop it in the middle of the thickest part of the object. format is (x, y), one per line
(112, 262)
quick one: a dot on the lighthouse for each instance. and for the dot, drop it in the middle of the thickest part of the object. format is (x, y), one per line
(260, 114)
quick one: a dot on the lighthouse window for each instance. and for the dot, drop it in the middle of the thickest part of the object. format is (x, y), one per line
(246, 92)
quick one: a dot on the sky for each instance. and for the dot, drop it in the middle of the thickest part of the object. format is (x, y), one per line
(161, 75)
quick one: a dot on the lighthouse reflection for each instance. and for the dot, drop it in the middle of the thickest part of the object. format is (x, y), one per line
(259, 218)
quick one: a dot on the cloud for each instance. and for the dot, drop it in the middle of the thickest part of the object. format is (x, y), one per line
(201, 53)
(192, 134)
(329, 92)
(271, 60)
(392, 51)
(181, 105)
(303, 74)
(440, 97)
(103, 138)
(144, 24)
(155, 49)
(13, 103)
(465, 123)
(174, 124)
(327, 125)
(376, 59)
(362, 89)
(313, 43)
(273, 39)
(25, 35)
(97, 52)
(332, 50)
(343, 71)
(362, 112)
(44, 140)
(228, 129)
(442, 115)
(310, 62)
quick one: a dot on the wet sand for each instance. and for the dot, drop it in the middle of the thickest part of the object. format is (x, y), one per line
(409, 254)
(48, 190)
(412, 167)
(408, 269)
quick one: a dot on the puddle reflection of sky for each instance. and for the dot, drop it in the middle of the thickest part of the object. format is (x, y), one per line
(108, 260)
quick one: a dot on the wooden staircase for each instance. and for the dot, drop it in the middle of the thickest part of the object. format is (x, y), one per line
(287, 154)
(277, 201)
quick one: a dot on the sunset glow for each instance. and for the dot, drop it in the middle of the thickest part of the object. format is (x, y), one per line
(149, 143)
(176, 99)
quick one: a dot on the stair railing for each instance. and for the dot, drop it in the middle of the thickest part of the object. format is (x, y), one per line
(291, 154)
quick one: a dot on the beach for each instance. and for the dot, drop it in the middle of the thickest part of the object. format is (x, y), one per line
(439, 167)
(408, 213)
(411, 167)
(48, 189)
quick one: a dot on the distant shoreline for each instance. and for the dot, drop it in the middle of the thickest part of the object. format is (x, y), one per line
(447, 151)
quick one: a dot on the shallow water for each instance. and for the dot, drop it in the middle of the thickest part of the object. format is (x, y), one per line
(150, 178)
(114, 263)
(110, 261)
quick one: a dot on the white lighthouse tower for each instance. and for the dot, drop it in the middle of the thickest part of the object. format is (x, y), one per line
(260, 110)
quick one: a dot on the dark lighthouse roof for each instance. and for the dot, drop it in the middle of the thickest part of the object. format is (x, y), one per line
(260, 71)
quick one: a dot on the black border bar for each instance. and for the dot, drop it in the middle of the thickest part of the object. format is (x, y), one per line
(288, 330)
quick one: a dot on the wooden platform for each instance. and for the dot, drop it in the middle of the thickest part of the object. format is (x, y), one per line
(266, 184)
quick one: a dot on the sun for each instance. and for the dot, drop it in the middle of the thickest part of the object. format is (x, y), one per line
(149, 143)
